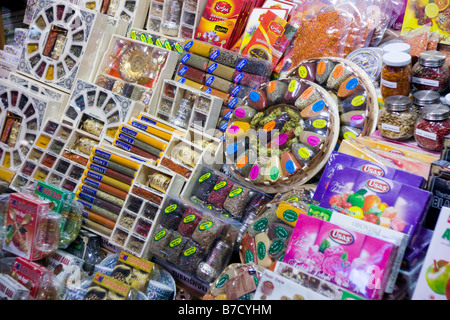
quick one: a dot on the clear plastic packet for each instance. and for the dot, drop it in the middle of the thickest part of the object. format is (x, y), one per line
(418, 40)
(433, 41)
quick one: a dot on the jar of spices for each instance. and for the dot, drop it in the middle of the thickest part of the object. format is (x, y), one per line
(396, 74)
(432, 126)
(423, 98)
(397, 119)
(158, 181)
(430, 72)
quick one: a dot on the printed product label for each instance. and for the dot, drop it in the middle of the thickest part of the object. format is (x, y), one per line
(292, 86)
(171, 208)
(204, 177)
(390, 127)
(235, 192)
(190, 251)
(261, 224)
(389, 84)
(313, 140)
(160, 235)
(302, 72)
(358, 100)
(319, 123)
(427, 82)
(189, 218)
(239, 112)
(205, 226)
(426, 134)
(175, 242)
(290, 215)
(220, 185)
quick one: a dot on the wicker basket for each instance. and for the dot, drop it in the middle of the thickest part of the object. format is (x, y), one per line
(308, 171)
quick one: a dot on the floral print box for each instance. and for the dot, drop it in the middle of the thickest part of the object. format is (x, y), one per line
(382, 201)
(352, 260)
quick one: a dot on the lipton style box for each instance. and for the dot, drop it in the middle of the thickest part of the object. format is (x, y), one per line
(382, 201)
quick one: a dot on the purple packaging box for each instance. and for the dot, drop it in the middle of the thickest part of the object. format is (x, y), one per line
(382, 201)
(338, 161)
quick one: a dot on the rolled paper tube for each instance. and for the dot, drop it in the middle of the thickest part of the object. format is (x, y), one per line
(216, 93)
(113, 165)
(194, 60)
(221, 70)
(111, 173)
(100, 211)
(157, 123)
(289, 163)
(116, 158)
(189, 83)
(198, 47)
(102, 195)
(140, 144)
(143, 137)
(133, 149)
(108, 180)
(104, 187)
(150, 129)
(191, 73)
(350, 86)
(147, 195)
(315, 109)
(99, 202)
(99, 219)
(97, 227)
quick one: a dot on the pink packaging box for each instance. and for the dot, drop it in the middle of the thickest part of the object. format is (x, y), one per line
(354, 261)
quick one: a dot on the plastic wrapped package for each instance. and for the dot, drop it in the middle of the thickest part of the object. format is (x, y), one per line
(237, 282)
(204, 184)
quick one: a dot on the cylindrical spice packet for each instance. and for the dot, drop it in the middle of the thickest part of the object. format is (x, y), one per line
(220, 192)
(189, 221)
(191, 73)
(262, 223)
(195, 61)
(198, 47)
(221, 71)
(218, 83)
(275, 91)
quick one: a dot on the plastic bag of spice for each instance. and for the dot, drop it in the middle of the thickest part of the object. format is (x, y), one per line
(191, 257)
(189, 221)
(236, 201)
(219, 193)
(205, 183)
(171, 214)
(418, 40)
(208, 230)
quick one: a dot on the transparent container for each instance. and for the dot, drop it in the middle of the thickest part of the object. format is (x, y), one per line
(397, 119)
(395, 74)
(432, 127)
(430, 72)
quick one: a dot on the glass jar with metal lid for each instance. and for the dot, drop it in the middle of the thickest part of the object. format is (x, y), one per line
(432, 127)
(423, 98)
(430, 72)
(397, 120)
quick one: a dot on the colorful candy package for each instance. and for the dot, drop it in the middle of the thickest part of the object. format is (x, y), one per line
(338, 161)
(385, 202)
(354, 261)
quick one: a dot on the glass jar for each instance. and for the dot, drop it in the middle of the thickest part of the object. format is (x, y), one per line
(423, 98)
(397, 47)
(430, 72)
(396, 74)
(181, 118)
(432, 127)
(397, 120)
(158, 181)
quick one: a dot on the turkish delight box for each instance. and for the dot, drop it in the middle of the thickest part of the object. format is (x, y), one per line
(355, 261)
(132, 270)
(104, 287)
(32, 275)
(434, 278)
(338, 161)
(22, 224)
(273, 286)
(11, 289)
(385, 202)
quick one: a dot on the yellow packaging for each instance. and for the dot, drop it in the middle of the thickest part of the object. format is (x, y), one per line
(419, 13)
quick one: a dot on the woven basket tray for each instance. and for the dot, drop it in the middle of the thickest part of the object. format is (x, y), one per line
(313, 166)
(371, 116)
